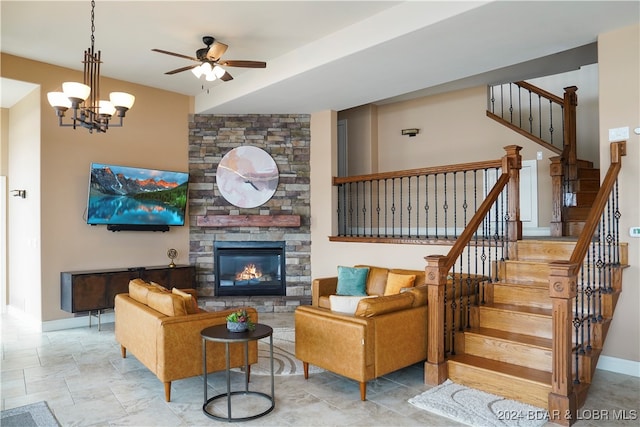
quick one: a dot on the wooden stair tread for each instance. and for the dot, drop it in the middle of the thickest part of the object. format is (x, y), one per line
(530, 340)
(521, 372)
(534, 311)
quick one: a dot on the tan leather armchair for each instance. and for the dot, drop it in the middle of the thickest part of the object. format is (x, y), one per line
(171, 346)
(385, 334)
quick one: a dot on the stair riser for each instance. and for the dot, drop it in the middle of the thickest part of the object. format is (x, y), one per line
(585, 198)
(508, 351)
(587, 185)
(544, 251)
(521, 295)
(584, 173)
(500, 384)
(526, 271)
(511, 321)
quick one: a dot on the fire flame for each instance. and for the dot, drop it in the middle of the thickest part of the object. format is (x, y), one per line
(249, 272)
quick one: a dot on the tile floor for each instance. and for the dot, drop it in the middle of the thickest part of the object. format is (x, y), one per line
(80, 373)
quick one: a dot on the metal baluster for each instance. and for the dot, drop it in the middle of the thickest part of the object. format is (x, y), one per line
(386, 234)
(617, 216)
(378, 208)
(510, 103)
(540, 116)
(350, 210)
(393, 207)
(603, 264)
(445, 208)
(426, 205)
(530, 113)
(418, 206)
(551, 122)
(409, 209)
(401, 204)
(435, 200)
(455, 205)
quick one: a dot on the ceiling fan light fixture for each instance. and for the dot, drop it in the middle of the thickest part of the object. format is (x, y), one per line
(197, 71)
(218, 71)
(210, 76)
(84, 98)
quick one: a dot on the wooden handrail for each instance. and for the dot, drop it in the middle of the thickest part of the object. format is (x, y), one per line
(438, 266)
(461, 167)
(618, 149)
(563, 279)
(543, 93)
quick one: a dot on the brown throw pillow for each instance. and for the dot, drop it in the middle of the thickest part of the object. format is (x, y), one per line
(190, 302)
(167, 303)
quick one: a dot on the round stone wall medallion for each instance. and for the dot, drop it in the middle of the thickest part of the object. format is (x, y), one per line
(247, 176)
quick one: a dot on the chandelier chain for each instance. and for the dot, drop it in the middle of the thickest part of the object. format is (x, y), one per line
(93, 25)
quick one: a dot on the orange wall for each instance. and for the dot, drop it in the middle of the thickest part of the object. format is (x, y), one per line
(155, 135)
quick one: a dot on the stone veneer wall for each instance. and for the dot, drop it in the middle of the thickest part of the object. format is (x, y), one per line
(286, 137)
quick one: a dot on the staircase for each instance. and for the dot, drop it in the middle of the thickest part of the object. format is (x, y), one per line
(543, 319)
(579, 197)
(518, 106)
(508, 349)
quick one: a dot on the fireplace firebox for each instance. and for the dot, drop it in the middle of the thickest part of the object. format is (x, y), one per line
(249, 268)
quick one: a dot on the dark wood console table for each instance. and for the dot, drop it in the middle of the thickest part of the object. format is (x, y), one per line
(94, 290)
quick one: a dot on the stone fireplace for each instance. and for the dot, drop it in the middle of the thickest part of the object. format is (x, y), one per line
(249, 268)
(214, 222)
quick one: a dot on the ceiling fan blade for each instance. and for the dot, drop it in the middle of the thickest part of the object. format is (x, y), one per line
(226, 77)
(216, 51)
(245, 64)
(181, 69)
(179, 55)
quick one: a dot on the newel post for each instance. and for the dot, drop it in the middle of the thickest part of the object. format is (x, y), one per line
(512, 162)
(569, 152)
(435, 368)
(562, 290)
(557, 196)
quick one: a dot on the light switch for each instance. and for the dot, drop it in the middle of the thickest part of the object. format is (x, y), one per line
(619, 134)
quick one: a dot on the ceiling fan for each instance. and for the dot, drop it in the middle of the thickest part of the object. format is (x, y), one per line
(209, 63)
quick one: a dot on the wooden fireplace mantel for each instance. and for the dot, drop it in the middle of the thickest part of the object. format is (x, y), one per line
(248, 221)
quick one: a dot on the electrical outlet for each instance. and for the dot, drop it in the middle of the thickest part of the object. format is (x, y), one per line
(619, 134)
(539, 155)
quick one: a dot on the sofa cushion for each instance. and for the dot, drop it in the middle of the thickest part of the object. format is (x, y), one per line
(345, 303)
(369, 307)
(138, 290)
(159, 287)
(352, 281)
(419, 295)
(190, 302)
(396, 282)
(376, 280)
(167, 303)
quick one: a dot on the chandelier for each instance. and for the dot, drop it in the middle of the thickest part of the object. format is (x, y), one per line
(89, 111)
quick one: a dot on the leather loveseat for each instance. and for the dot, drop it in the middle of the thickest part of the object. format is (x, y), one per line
(384, 334)
(162, 330)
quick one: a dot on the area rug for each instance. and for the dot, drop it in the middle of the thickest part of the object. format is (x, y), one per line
(477, 408)
(284, 355)
(33, 415)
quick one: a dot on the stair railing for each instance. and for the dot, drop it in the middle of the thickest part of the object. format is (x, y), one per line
(534, 113)
(452, 279)
(576, 288)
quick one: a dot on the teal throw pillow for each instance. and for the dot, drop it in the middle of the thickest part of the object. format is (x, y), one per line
(352, 281)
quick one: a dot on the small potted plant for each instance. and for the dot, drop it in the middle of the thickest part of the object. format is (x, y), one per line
(239, 321)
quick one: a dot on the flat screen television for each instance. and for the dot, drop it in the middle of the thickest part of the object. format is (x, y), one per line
(123, 196)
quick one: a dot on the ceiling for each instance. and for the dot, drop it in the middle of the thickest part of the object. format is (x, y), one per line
(321, 55)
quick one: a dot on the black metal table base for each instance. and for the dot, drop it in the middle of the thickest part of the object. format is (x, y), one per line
(220, 334)
(236, 419)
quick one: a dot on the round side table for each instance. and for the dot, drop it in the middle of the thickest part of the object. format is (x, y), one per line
(221, 334)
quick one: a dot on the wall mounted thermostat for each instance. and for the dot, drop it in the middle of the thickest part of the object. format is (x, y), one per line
(634, 231)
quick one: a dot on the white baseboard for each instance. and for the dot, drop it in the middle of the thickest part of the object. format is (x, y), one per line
(536, 231)
(620, 366)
